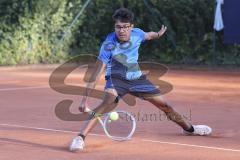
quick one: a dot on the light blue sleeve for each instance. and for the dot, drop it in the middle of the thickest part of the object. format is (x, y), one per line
(140, 33)
(104, 54)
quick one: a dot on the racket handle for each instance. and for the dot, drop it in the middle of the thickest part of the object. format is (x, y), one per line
(86, 109)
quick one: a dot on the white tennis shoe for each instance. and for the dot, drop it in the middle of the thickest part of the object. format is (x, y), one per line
(77, 144)
(201, 130)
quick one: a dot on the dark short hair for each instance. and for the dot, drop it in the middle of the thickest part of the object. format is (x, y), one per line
(123, 15)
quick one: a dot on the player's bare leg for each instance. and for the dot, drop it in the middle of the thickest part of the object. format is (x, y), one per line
(106, 106)
(109, 102)
(177, 118)
(170, 112)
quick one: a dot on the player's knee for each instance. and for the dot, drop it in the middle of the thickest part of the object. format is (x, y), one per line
(109, 105)
(111, 101)
(116, 100)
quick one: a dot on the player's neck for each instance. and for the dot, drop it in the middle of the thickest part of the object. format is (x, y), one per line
(120, 41)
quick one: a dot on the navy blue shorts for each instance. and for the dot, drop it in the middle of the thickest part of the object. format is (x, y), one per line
(140, 87)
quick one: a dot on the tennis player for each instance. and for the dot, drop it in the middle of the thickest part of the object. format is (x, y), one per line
(119, 58)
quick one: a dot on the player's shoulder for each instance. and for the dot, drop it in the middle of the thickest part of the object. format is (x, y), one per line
(110, 37)
(108, 42)
(137, 31)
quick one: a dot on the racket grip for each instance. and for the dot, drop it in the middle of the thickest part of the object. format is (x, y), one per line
(86, 109)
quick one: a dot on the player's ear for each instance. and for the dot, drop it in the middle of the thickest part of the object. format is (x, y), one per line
(132, 25)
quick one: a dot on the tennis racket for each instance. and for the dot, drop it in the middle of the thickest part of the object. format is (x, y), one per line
(121, 129)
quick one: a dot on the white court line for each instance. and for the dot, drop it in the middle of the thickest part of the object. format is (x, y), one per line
(41, 87)
(191, 145)
(23, 88)
(46, 129)
(145, 140)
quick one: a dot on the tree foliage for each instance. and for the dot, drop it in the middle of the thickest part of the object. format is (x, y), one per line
(33, 34)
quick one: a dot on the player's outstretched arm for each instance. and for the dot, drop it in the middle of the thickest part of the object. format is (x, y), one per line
(155, 35)
(96, 72)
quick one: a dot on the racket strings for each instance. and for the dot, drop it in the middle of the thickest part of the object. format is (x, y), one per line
(122, 128)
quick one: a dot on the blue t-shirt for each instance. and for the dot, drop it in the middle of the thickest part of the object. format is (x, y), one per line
(122, 58)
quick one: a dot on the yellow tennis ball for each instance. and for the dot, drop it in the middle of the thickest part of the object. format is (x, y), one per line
(114, 116)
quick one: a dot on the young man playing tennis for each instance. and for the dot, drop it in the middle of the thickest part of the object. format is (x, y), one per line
(119, 56)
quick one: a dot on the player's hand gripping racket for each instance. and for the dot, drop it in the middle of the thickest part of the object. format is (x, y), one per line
(119, 129)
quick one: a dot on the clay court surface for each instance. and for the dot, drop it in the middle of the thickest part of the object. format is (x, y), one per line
(29, 128)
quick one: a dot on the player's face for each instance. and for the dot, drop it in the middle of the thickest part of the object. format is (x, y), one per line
(123, 30)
